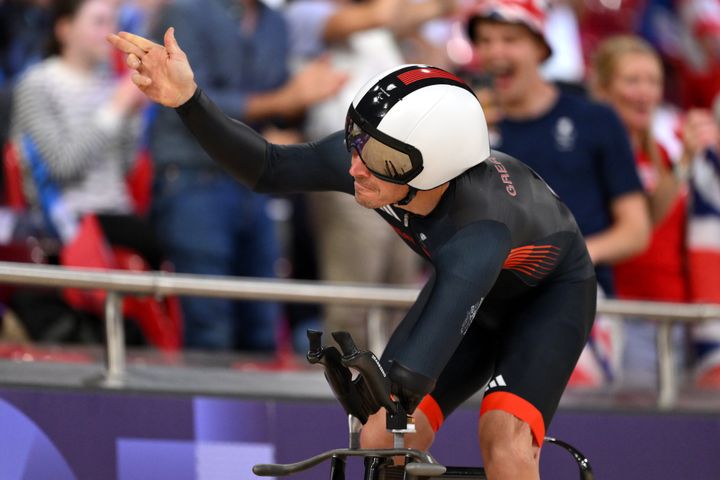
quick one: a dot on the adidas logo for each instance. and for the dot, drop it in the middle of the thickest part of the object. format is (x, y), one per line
(496, 382)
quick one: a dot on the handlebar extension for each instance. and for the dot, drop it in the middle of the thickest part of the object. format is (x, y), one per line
(372, 374)
(362, 396)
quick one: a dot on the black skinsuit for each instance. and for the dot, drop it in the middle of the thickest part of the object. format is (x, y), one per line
(512, 296)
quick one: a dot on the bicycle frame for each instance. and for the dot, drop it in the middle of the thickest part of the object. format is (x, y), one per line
(364, 396)
(418, 464)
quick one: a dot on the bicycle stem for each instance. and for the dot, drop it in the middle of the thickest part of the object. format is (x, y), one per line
(399, 423)
(354, 428)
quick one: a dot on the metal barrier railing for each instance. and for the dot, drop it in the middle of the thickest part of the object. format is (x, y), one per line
(118, 283)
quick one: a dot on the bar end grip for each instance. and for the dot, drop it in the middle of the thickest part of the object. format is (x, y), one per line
(347, 344)
(268, 470)
(315, 341)
(417, 469)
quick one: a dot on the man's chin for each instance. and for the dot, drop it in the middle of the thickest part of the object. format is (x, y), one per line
(369, 203)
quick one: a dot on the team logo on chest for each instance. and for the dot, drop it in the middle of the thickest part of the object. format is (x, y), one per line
(565, 134)
(470, 316)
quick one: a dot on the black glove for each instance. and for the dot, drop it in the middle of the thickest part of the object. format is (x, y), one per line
(408, 386)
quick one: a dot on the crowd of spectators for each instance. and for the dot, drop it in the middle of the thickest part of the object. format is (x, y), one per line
(615, 104)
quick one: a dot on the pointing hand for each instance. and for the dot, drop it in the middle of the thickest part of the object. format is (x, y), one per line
(162, 72)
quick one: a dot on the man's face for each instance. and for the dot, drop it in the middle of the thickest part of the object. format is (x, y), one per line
(511, 53)
(370, 191)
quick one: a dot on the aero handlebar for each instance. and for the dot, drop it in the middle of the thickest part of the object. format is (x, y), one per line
(365, 395)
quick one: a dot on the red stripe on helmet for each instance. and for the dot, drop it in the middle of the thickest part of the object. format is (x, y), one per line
(425, 73)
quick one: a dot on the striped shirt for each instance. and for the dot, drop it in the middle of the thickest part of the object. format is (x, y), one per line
(86, 146)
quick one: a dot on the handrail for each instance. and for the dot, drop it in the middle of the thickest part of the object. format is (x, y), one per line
(241, 288)
(118, 282)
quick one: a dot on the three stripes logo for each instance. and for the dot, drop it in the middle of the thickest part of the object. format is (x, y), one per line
(388, 209)
(496, 382)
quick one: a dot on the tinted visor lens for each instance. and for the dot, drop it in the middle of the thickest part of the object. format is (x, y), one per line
(382, 160)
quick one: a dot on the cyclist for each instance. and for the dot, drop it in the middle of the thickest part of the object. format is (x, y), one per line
(512, 297)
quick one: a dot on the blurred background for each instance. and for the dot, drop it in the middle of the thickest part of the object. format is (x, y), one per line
(613, 102)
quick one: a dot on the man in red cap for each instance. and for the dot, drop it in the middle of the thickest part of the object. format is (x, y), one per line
(579, 147)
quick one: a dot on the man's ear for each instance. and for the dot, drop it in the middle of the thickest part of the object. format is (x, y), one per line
(541, 50)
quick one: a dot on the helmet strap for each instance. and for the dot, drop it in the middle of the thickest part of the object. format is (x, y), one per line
(412, 191)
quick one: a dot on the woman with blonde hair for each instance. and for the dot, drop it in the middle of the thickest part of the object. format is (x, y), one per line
(627, 73)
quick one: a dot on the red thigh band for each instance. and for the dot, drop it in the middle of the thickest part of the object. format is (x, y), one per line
(432, 411)
(519, 407)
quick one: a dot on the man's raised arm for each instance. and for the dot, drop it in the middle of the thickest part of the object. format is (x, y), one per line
(164, 74)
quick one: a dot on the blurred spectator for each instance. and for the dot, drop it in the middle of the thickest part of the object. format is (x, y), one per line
(700, 62)
(75, 124)
(566, 65)
(208, 222)
(589, 163)
(359, 39)
(702, 140)
(138, 16)
(24, 29)
(627, 73)
(599, 19)
(579, 147)
(75, 128)
(482, 86)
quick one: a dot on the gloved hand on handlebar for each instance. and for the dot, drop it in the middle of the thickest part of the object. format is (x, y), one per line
(408, 386)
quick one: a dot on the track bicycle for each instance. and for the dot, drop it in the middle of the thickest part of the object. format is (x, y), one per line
(361, 396)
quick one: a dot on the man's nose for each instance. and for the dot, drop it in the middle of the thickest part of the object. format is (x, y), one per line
(491, 50)
(357, 167)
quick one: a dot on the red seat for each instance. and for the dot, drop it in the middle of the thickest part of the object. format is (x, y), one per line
(139, 182)
(159, 320)
(14, 195)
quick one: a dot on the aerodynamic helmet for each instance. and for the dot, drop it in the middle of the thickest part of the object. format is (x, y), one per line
(417, 125)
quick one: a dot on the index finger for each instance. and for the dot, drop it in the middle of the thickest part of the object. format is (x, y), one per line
(125, 46)
(141, 42)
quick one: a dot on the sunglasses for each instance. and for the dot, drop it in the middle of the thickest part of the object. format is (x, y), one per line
(385, 157)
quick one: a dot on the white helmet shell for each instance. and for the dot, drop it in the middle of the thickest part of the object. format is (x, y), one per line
(438, 115)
